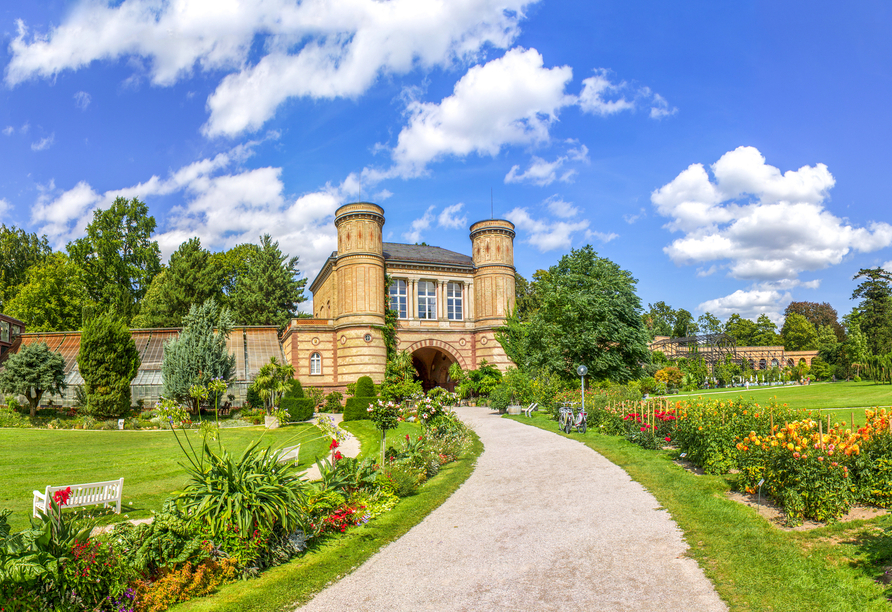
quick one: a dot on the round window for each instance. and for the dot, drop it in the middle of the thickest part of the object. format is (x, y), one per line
(368, 337)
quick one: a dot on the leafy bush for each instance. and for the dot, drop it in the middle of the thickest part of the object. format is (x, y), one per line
(295, 389)
(333, 401)
(401, 478)
(315, 394)
(183, 583)
(356, 408)
(253, 491)
(365, 387)
(298, 409)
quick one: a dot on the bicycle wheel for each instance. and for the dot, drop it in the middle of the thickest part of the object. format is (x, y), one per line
(568, 426)
(562, 420)
(583, 426)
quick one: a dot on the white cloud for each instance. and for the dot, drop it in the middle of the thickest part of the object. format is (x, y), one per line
(604, 237)
(44, 143)
(545, 235)
(450, 217)
(602, 97)
(630, 219)
(419, 225)
(887, 266)
(223, 205)
(8, 130)
(5, 207)
(596, 93)
(758, 223)
(542, 172)
(511, 100)
(314, 48)
(82, 100)
(748, 304)
(560, 208)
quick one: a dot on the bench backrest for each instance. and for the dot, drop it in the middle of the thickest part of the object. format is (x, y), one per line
(91, 492)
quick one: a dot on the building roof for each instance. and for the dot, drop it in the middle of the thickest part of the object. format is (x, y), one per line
(424, 254)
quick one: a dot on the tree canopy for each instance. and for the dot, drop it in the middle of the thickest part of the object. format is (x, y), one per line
(875, 307)
(52, 298)
(269, 292)
(818, 315)
(33, 371)
(799, 334)
(118, 257)
(589, 314)
(192, 276)
(19, 251)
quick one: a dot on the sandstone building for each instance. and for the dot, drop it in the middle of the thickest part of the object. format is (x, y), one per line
(448, 304)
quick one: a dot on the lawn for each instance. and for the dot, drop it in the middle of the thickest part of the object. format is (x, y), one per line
(754, 565)
(840, 398)
(149, 461)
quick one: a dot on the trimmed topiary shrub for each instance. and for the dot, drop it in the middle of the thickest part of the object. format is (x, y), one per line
(298, 408)
(365, 387)
(295, 389)
(356, 408)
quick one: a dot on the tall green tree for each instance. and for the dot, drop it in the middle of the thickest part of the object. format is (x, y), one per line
(33, 371)
(709, 323)
(685, 324)
(589, 314)
(270, 292)
(192, 276)
(199, 354)
(108, 361)
(742, 330)
(766, 332)
(875, 307)
(856, 350)
(118, 256)
(659, 320)
(828, 345)
(818, 315)
(19, 251)
(52, 298)
(798, 333)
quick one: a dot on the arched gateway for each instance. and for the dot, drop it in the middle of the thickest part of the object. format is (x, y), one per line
(448, 304)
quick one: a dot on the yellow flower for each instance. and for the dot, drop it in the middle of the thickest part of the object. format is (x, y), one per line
(790, 446)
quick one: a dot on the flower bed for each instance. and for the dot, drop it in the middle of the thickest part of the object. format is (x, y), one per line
(811, 468)
(237, 516)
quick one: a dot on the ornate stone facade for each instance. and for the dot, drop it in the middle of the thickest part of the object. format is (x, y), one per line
(449, 304)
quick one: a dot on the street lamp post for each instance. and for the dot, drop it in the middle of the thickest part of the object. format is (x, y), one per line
(582, 371)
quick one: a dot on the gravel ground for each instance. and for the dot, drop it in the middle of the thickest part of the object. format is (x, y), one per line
(543, 523)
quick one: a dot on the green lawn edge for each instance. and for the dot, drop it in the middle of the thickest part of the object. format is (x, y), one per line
(290, 585)
(752, 564)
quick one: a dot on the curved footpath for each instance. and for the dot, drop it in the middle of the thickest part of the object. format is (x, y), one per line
(543, 523)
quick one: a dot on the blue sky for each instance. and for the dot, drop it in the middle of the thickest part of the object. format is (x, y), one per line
(732, 156)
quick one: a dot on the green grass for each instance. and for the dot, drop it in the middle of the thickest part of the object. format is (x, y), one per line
(149, 461)
(840, 399)
(292, 584)
(754, 565)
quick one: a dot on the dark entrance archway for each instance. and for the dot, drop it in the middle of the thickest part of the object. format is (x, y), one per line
(432, 365)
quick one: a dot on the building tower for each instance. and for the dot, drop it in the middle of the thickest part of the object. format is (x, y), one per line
(492, 247)
(359, 300)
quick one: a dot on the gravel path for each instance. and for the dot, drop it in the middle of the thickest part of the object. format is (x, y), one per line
(543, 523)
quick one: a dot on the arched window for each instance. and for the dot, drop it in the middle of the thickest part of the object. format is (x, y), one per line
(315, 364)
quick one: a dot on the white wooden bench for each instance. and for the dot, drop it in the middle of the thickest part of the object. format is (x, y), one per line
(89, 494)
(289, 453)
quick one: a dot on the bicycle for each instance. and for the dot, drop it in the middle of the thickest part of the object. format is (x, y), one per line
(569, 419)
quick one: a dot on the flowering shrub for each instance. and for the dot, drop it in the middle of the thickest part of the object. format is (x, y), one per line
(183, 583)
(344, 517)
(385, 415)
(804, 470)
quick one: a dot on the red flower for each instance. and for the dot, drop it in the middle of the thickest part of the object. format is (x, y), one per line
(334, 444)
(61, 497)
(643, 428)
(668, 439)
(338, 456)
(407, 437)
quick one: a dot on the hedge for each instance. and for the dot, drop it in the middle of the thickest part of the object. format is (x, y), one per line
(356, 408)
(298, 408)
(365, 387)
(295, 389)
